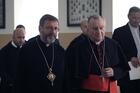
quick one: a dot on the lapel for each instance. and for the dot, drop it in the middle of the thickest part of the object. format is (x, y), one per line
(130, 40)
(129, 35)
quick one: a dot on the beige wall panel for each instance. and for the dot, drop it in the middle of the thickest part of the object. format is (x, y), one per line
(65, 38)
(4, 39)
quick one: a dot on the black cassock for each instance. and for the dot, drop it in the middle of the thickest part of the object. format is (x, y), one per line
(79, 58)
(33, 70)
(8, 62)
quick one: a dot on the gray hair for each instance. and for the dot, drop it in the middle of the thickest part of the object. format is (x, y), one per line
(95, 17)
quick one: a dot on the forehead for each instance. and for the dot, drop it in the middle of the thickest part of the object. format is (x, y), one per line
(20, 29)
(20, 32)
(95, 22)
(135, 13)
(51, 23)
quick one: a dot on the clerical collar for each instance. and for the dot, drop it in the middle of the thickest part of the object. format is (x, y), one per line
(14, 45)
(95, 44)
(45, 44)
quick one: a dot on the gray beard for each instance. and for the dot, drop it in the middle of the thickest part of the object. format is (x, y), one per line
(51, 39)
(48, 39)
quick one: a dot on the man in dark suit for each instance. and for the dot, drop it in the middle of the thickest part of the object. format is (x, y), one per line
(9, 58)
(128, 36)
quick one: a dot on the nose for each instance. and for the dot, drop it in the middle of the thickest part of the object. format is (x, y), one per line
(22, 40)
(98, 30)
(52, 30)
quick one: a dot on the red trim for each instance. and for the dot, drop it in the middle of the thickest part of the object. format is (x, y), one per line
(97, 83)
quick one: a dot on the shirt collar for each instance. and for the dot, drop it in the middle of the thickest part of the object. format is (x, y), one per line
(131, 27)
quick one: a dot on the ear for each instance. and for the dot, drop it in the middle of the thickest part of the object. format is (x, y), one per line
(128, 16)
(39, 28)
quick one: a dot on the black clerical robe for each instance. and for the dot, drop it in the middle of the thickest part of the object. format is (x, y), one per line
(79, 58)
(33, 70)
(8, 59)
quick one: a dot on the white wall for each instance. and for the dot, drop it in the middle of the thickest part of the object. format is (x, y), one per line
(29, 12)
(9, 4)
(106, 12)
(119, 17)
(107, 6)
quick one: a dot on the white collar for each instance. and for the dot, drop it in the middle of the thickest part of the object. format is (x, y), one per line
(14, 45)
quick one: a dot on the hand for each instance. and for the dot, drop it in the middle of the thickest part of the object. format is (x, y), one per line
(108, 72)
(135, 62)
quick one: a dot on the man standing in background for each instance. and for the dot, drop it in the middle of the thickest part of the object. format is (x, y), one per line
(128, 36)
(9, 57)
(83, 35)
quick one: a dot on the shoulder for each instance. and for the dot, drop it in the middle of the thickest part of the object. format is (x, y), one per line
(121, 32)
(59, 48)
(110, 41)
(33, 38)
(112, 45)
(31, 41)
(122, 28)
(5, 51)
(29, 45)
(7, 46)
(78, 40)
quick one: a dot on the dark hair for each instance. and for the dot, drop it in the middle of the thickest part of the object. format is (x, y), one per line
(133, 9)
(47, 17)
(20, 26)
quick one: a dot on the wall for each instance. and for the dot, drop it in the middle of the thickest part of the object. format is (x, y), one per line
(66, 33)
(120, 17)
(5, 34)
(4, 39)
(106, 12)
(9, 4)
(29, 14)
